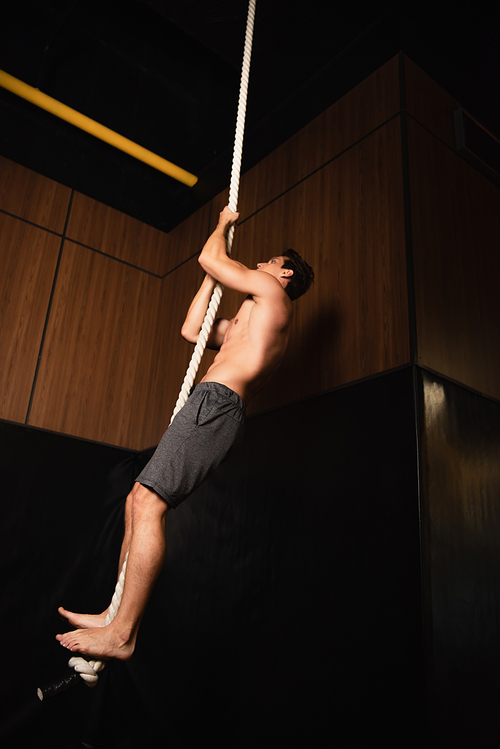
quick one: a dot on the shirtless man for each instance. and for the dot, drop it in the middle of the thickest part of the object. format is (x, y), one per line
(251, 346)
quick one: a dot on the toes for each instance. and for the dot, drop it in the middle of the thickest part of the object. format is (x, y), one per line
(63, 613)
(66, 642)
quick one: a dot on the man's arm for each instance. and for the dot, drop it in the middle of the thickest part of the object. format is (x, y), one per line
(196, 314)
(216, 262)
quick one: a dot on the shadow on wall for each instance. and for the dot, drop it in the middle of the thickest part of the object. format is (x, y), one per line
(314, 341)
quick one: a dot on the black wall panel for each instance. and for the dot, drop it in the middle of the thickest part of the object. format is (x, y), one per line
(461, 541)
(289, 609)
(60, 529)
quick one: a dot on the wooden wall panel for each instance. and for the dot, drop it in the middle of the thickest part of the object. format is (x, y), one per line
(188, 238)
(347, 220)
(94, 376)
(456, 230)
(363, 109)
(28, 257)
(429, 104)
(113, 359)
(114, 233)
(33, 197)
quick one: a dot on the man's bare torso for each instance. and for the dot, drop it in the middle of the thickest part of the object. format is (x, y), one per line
(254, 343)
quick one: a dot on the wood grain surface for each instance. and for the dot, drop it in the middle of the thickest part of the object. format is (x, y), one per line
(32, 196)
(356, 114)
(456, 246)
(118, 235)
(99, 350)
(113, 359)
(188, 238)
(28, 257)
(429, 104)
(347, 220)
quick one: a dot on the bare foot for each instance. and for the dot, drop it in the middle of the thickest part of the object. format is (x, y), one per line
(83, 621)
(102, 643)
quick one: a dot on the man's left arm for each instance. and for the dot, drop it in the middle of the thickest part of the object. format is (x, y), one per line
(196, 314)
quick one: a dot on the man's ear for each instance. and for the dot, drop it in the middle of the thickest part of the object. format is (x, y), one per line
(286, 273)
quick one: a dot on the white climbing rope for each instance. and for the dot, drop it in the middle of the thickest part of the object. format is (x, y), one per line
(233, 204)
(89, 670)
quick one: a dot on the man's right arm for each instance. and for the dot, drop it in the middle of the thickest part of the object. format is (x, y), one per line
(215, 261)
(196, 314)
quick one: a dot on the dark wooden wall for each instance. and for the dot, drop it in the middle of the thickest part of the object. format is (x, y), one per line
(112, 359)
(92, 300)
(87, 312)
(455, 215)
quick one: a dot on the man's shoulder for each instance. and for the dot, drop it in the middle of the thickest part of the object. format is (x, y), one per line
(266, 286)
(276, 306)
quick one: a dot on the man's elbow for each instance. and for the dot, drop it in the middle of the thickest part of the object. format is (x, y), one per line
(202, 259)
(209, 263)
(188, 334)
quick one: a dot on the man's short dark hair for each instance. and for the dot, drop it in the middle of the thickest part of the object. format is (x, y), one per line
(303, 274)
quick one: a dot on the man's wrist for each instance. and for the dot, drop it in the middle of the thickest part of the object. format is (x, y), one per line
(222, 228)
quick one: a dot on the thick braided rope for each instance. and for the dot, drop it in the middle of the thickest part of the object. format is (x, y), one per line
(88, 670)
(233, 204)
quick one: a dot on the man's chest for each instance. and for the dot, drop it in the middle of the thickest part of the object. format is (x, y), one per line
(238, 326)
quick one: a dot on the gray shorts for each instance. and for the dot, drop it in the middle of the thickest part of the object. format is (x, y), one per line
(196, 442)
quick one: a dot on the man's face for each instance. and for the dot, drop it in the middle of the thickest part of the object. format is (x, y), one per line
(273, 266)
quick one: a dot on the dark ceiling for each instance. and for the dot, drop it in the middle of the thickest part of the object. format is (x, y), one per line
(166, 75)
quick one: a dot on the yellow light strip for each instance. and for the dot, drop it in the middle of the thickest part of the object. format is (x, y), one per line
(94, 128)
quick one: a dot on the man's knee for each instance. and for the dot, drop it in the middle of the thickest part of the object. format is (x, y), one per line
(144, 500)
